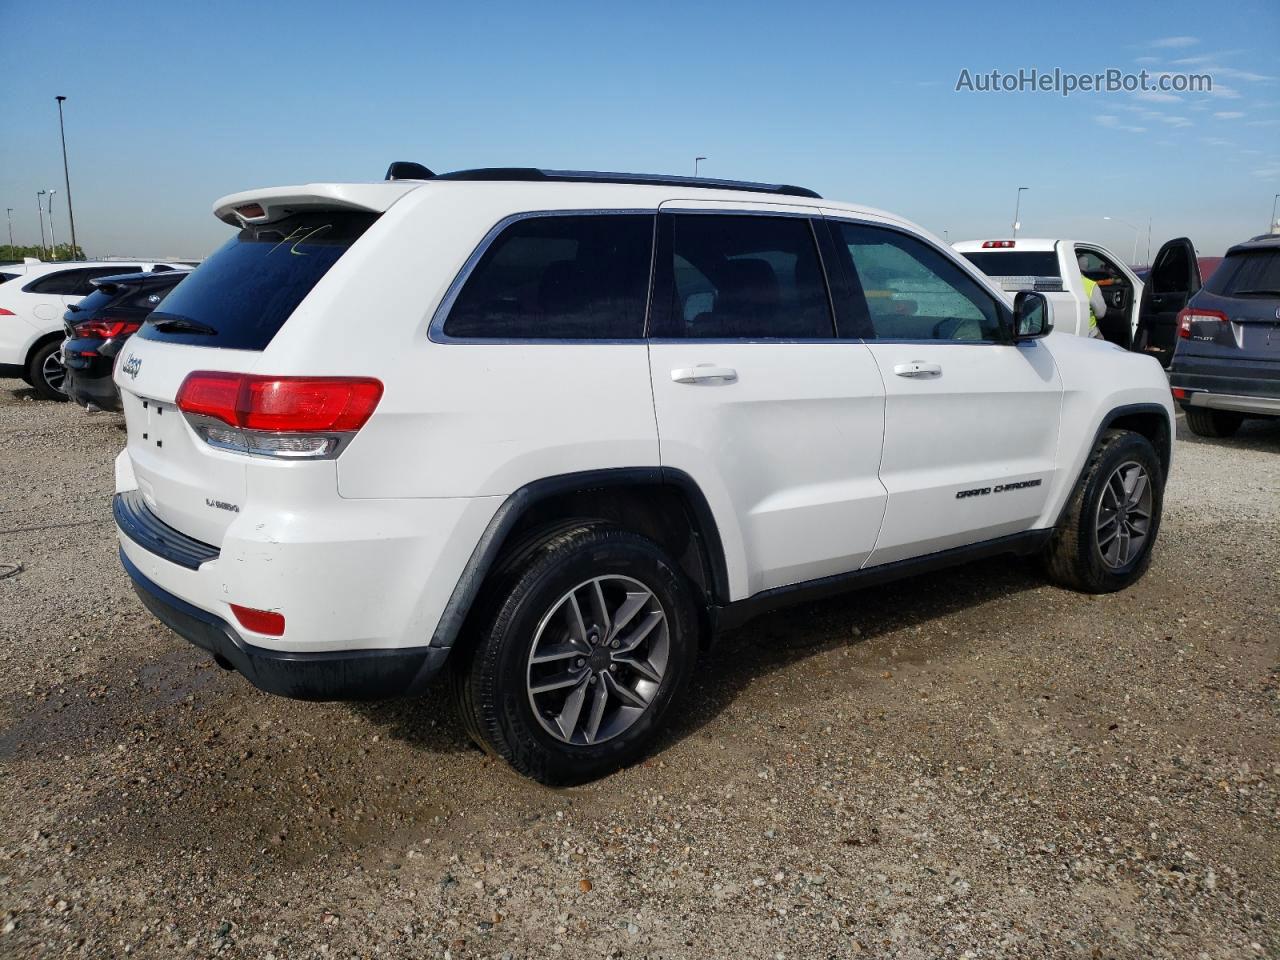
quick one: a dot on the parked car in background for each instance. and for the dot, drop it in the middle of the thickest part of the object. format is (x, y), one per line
(584, 421)
(1140, 316)
(33, 297)
(100, 324)
(1227, 365)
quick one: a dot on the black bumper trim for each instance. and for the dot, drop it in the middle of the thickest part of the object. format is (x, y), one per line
(336, 675)
(139, 524)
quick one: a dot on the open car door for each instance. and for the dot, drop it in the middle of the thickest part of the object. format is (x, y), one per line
(1173, 280)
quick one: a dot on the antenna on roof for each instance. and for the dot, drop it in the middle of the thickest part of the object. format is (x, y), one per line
(408, 170)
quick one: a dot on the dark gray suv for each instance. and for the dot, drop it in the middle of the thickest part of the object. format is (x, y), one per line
(1227, 363)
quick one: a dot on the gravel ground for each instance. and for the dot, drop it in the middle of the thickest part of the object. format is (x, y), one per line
(970, 764)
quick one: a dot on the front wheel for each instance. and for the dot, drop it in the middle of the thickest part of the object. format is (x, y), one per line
(1103, 542)
(590, 635)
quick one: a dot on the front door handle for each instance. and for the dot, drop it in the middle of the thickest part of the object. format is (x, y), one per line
(704, 373)
(918, 368)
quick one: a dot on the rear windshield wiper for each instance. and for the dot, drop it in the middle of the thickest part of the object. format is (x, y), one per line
(175, 323)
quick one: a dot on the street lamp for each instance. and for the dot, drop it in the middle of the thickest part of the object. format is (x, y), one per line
(1017, 207)
(40, 210)
(1134, 259)
(1271, 227)
(66, 176)
(53, 238)
(696, 161)
(8, 211)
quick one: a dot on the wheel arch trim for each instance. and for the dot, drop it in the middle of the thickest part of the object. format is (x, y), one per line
(515, 506)
(1164, 450)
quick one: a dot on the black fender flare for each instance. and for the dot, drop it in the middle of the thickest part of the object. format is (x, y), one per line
(1109, 418)
(495, 534)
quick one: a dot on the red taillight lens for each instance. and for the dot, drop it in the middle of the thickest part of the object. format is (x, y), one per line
(6, 313)
(1192, 315)
(267, 622)
(106, 329)
(308, 404)
(211, 395)
(998, 244)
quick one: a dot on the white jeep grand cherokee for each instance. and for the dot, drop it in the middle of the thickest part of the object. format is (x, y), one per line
(559, 429)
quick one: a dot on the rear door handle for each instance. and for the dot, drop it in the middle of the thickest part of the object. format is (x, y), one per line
(704, 373)
(918, 368)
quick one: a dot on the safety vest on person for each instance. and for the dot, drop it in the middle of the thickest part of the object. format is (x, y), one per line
(1088, 298)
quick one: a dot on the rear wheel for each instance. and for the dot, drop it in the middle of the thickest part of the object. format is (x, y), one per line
(589, 635)
(46, 373)
(1213, 423)
(1104, 541)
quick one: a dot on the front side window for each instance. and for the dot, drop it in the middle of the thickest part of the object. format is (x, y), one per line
(570, 277)
(74, 283)
(743, 276)
(912, 291)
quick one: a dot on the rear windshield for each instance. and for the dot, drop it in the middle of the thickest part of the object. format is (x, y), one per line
(242, 295)
(1249, 273)
(1016, 263)
(89, 305)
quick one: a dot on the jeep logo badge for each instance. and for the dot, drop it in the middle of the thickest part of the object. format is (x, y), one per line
(132, 366)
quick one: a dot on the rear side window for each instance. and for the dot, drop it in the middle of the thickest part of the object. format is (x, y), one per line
(6, 277)
(74, 283)
(742, 276)
(242, 295)
(559, 277)
(1016, 264)
(1249, 273)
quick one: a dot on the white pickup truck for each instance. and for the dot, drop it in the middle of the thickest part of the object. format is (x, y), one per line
(1140, 316)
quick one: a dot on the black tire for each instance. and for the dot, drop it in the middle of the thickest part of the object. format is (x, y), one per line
(491, 671)
(1073, 557)
(36, 372)
(1213, 423)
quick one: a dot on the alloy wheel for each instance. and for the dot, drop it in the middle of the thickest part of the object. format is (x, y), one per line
(54, 372)
(598, 659)
(1123, 519)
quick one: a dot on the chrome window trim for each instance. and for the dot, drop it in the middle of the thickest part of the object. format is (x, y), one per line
(435, 330)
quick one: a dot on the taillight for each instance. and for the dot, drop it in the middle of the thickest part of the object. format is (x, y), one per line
(259, 621)
(6, 313)
(999, 244)
(291, 417)
(1192, 315)
(105, 329)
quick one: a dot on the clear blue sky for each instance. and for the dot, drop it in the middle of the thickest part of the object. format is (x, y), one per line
(173, 105)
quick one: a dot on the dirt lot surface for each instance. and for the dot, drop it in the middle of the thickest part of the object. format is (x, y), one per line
(970, 764)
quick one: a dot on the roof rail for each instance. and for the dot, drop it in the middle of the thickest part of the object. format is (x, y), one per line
(649, 179)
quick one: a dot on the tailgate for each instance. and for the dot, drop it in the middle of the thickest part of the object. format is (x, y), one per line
(189, 485)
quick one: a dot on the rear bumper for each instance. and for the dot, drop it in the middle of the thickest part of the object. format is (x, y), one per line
(341, 675)
(1257, 396)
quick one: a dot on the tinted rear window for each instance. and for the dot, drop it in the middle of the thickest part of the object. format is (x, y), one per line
(1249, 273)
(90, 305)
(1016, 264)
(246, 291)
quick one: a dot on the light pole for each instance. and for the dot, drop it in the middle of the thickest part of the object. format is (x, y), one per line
(66, 177)
(1016, 208)
(1272, 225)
(1134, 259)
(8, 211)
(696, 161)
(40, 210)
(53, 237)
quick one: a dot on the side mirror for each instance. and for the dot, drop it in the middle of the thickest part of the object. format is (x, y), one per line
(1032, 316)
